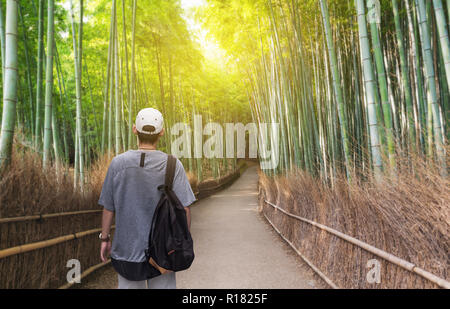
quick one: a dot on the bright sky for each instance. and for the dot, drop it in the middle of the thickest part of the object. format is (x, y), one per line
(211, 49)
(192, 3)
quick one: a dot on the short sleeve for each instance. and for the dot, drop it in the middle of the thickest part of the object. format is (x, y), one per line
(106, 197)
(182, 187)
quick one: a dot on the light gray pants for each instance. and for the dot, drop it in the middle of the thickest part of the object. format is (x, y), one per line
(167, 281)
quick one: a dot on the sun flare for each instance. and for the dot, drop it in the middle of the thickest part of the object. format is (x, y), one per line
(211, 49)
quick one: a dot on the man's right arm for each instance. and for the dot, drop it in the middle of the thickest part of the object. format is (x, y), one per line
(107, 201)
(107, 219)
(105, 248)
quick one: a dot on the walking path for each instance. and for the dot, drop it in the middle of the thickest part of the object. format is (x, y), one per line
(235, 247)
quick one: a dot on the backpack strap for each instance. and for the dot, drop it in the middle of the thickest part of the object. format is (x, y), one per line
(170, 170)
(142, 160)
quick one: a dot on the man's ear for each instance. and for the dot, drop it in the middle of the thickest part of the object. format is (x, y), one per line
(162, 132)
(135, 132)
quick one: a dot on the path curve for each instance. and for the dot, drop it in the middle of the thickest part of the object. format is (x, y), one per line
(235, 247)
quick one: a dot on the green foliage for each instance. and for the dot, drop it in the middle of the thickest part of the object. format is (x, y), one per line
(333, 102)
(172, 73)
(277, 57)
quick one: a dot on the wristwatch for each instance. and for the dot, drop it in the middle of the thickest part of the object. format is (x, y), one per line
(100, 236)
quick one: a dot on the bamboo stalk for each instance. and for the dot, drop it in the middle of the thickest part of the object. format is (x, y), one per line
(117, 109)
(49, 84)
(131, 104)
(443, 35)
(92, 101)
(369, 80)
(79, 130)
(56, 138)
(10, 84)
(434, 122)
(40, 65)
(107, 83)
(420, 94)
(2, 41)
(28, 74)
(67, 121)
(336, 85)
(383, 86)
(125, 46)
(405, 76)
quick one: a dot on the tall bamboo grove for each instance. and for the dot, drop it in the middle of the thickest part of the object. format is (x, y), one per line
(353, 92)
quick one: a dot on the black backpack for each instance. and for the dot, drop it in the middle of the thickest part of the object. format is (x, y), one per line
(170, 245)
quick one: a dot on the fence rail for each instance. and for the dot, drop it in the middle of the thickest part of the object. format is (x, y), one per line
(46, 243)
(217, 185)
(86, 273)
(15, 251)
(48, 216)
(369, 248)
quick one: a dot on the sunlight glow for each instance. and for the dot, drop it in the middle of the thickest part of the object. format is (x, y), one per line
(211, 50)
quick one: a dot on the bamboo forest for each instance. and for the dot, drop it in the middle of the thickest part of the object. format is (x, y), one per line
(356, 94)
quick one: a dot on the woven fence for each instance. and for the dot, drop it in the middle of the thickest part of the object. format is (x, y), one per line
(35, 249)
(344, 240)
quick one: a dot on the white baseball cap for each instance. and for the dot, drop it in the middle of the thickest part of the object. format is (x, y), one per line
(149, 117)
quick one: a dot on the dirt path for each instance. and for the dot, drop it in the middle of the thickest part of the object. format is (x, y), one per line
(234, 247)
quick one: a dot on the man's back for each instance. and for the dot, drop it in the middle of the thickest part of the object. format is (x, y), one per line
(130, 190)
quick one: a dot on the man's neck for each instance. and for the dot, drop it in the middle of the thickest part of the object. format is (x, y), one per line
(147, 147)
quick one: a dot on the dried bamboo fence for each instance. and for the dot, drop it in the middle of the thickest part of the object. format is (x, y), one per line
(391, 262)
(34, 249)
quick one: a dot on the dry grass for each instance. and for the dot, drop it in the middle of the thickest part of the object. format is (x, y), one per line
(47, 267)
(26, 189)
(193, 181)
(407, 215)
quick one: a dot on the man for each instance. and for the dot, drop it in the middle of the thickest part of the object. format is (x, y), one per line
(130, 193)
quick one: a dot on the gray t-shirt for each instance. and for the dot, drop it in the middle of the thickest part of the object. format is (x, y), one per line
(131, 192)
